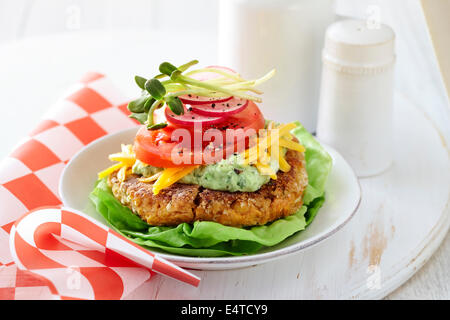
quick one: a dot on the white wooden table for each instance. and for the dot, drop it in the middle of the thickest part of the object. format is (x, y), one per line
(35, 71)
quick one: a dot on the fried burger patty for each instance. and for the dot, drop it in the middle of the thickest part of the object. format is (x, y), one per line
(188, 202)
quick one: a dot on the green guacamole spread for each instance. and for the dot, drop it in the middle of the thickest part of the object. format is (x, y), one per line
(226, 175)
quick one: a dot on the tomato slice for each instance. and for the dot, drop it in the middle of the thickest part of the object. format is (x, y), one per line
(249, 118)
(156, 148)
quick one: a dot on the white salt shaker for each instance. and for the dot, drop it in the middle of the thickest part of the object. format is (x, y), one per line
(356, 98)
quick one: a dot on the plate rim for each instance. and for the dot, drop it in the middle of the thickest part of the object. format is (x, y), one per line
(245, 260)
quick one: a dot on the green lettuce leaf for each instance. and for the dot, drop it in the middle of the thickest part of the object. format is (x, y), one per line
(211, 239)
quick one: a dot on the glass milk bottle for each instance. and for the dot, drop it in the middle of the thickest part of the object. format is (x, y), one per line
(256, 36)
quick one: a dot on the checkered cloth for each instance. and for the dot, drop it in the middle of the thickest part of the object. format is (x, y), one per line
(29, 179)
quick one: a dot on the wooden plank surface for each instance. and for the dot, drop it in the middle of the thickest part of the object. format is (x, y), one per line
(430, 282)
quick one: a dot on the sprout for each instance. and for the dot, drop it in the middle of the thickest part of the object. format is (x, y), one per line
(181, 83)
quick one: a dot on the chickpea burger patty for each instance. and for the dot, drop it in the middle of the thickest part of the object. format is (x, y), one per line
(181, 203)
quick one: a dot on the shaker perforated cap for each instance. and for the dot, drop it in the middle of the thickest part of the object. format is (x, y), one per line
(352, 43)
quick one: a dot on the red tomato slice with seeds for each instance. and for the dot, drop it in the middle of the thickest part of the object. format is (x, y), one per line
(156, 148)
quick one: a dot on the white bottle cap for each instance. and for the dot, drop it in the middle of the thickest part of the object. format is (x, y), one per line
(356, 98)
(355, 44)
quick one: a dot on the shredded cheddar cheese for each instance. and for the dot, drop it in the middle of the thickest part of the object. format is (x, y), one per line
(269, 146)
(126, 160)
(152, 178)
(284, 165)
(171, 175)
(266, 169)
(110, 170)
(291, 145)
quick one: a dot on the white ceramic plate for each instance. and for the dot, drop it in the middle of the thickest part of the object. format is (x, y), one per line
(342, 199)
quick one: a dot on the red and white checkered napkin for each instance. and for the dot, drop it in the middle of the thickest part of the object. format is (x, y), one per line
(29, 179)
(83, 258)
